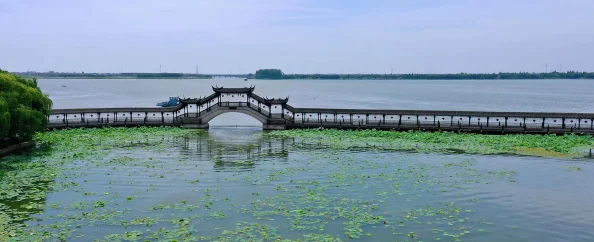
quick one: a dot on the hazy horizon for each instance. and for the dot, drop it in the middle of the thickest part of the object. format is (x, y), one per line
(297, 36)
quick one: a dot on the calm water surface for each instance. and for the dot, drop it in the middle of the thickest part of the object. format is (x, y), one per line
(232, 182)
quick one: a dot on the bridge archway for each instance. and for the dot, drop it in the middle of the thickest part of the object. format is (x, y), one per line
(239, 117)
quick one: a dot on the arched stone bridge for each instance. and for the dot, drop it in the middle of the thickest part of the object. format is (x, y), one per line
(276, 113)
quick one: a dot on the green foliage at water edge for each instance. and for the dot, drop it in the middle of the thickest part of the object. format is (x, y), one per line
(23, 108)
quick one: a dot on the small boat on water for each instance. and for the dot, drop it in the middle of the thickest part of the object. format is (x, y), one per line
(173, 101)
(245, 80)
(63, 85)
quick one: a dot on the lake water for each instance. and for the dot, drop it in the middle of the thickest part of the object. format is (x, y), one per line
(229, 184)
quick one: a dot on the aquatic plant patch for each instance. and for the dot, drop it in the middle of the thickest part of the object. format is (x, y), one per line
(172, 184)
(566, 146)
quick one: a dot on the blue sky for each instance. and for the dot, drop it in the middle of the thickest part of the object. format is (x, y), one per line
(297, 36)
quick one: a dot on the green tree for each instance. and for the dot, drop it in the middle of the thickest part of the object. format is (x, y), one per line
(24, 109)
(269, 74)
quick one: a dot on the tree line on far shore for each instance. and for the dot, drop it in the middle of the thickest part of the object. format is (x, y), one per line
(23, 108)
(278, 74)
(131, 75)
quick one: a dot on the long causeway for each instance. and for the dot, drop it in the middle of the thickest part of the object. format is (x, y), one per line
(277, 114)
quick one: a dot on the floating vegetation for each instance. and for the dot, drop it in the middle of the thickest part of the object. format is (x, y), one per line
(574, 168)
(565, 146)
(172, 184)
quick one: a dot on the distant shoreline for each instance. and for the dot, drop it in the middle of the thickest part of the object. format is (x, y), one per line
(45, 77)
(278, 75)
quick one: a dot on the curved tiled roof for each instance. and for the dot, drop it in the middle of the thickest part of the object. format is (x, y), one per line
(233, 90)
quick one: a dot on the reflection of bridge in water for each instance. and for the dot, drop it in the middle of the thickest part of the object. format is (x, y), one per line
(278, 114)
(234, 148)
